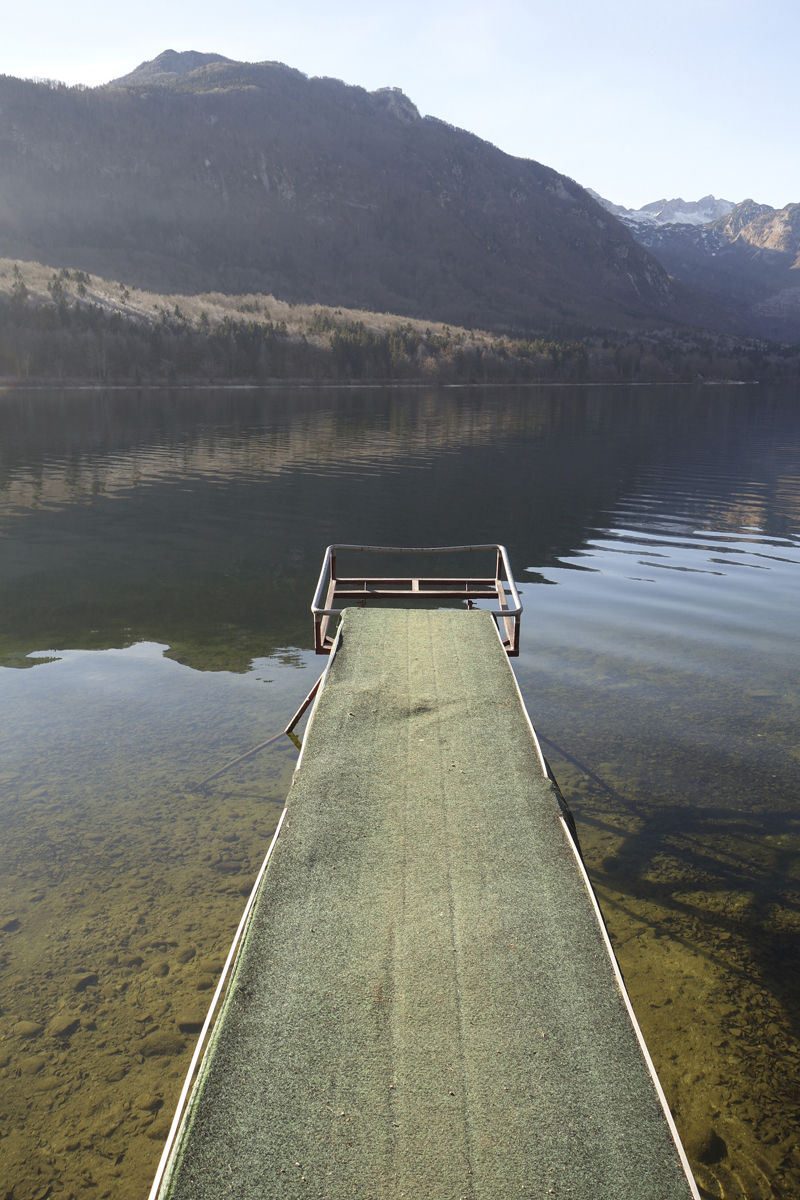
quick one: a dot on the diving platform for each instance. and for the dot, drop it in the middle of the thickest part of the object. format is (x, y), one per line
(424, 1002)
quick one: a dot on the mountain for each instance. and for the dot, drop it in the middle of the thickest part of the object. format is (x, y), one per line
(748, 260)
(196, 173)
(669, 212)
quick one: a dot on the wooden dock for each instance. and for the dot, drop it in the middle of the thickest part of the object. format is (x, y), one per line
(425, 1003)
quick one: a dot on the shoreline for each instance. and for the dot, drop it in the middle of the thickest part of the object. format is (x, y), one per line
(366, 385)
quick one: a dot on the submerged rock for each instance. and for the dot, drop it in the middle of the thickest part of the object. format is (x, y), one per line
(190, 1020)
(706, 1146)
(64, 1025)
(161, 1042)
(32, 1065)
(159, 1129)
(27, 1029)
(211, 966)
(80, 980)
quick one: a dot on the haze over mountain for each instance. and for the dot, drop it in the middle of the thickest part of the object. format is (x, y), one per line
(747, 255)
(194, 172)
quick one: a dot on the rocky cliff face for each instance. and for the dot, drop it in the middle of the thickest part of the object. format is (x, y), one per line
(739, 217)
(748, 260)
(774, 230)
(195, 172)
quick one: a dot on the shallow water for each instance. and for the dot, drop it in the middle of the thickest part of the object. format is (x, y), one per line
(158, 553)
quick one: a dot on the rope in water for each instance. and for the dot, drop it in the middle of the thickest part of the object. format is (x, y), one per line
(262, 745)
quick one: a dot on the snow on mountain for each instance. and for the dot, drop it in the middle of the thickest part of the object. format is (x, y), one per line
(669, 212)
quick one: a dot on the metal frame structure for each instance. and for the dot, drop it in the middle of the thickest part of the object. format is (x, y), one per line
(360, 589)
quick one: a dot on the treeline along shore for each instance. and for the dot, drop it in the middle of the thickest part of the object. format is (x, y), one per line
(71, 327)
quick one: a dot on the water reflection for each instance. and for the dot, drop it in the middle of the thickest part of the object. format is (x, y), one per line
(159, 553)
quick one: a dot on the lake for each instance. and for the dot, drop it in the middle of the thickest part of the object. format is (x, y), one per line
(158, 555)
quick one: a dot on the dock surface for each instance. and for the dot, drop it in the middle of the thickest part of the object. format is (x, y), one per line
(424, 1003)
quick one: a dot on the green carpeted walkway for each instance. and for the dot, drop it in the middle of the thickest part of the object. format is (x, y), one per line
(424, 1004)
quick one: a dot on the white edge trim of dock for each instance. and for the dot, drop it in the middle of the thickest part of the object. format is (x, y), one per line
(624, 991)
(610, 951)
(542, 759)
(200, 1048)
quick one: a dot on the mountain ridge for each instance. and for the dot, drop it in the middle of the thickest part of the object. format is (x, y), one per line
(169, 64)
(668, 212)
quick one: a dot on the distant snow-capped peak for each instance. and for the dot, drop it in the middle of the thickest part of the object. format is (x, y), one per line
(669, 212)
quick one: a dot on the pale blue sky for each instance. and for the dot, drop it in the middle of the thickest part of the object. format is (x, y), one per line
(639, 101)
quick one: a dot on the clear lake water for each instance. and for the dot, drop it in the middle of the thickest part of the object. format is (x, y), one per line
(158, 555)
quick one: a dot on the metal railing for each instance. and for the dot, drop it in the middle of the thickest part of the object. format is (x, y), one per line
(352, 589)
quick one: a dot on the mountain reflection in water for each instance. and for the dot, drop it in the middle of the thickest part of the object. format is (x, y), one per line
(158, 553)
